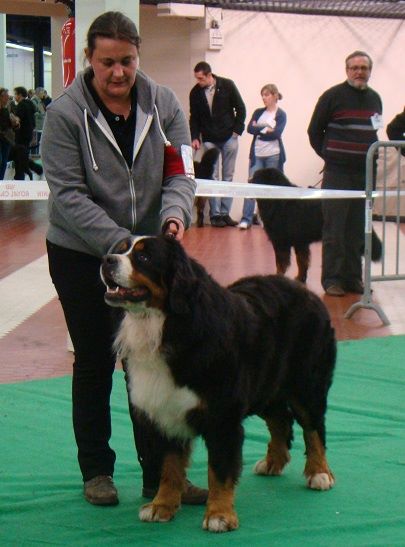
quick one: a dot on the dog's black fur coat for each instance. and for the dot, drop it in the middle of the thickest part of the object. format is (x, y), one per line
(294, 223)
(262, 346)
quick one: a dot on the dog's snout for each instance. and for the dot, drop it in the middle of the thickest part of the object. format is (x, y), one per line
(110, 260)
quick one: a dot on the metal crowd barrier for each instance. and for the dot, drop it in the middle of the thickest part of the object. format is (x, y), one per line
(380, 148)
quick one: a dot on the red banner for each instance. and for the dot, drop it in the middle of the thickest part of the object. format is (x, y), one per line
(68, 51)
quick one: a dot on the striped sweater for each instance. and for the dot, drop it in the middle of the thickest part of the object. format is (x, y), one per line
(341, 130)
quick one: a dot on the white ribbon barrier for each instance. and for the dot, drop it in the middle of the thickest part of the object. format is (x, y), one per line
(11, 190)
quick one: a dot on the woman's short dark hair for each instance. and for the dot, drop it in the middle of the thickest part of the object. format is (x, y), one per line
(115, 25)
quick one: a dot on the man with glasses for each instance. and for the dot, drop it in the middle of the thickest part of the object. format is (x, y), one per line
(343, 126)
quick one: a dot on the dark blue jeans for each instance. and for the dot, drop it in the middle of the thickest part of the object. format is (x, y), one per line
(228, 151)
(92, 326)
(250, 203)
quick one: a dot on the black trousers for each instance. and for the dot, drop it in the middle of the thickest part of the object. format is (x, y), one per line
(343, 231)
(92, 326)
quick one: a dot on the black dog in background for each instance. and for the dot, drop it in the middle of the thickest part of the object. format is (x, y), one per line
(294, 223)
(204, 170)
(23, 164)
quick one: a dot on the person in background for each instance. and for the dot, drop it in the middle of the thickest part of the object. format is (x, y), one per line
(217, 119)
(343, 126)
(40, 111)
(25, 111)
(396, 129)
(37, 99)
(116, 152)
(267, 150)
(7, 125)
(46, 100)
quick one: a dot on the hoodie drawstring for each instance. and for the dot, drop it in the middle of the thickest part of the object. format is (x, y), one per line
(167, 142)
(86, 126)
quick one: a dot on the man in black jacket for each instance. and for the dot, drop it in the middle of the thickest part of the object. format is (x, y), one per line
(25, 110)
(343, 126)
(217, 116)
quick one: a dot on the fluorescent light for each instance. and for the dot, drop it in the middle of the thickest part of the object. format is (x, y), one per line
(25, 48)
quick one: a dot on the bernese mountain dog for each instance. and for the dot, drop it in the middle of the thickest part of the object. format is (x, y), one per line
(200, 358)
(294, 223)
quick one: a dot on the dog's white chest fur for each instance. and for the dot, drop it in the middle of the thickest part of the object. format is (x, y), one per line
(151, 385)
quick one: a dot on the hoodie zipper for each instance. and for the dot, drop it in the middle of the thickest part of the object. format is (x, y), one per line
(142, 136)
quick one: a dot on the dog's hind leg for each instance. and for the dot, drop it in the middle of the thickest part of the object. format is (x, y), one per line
(172, 484)
(317, 471)
(278, 455)
(200, 206)
(303, 255)
(283, 258)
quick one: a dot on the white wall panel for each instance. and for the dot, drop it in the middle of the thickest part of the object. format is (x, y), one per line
(302, 54)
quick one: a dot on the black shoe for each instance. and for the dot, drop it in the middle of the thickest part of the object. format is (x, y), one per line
(218, 222)
(193, 495)
(101, 490)
(228, 220)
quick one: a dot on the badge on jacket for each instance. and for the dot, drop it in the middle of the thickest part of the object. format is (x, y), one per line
(377, 121)
(187, 157)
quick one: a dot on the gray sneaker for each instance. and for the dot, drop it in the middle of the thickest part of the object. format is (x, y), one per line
(101, 490)
(335, 290)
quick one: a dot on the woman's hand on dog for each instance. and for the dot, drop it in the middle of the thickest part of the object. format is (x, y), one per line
(174, 227)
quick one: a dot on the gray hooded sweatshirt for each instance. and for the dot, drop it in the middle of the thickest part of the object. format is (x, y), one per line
(95, 199)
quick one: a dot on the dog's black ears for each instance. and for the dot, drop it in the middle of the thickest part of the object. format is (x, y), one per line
(183, 290)
(181, 281)
(183, 295)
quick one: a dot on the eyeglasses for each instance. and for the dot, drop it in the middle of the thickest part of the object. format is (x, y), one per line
(356, 68)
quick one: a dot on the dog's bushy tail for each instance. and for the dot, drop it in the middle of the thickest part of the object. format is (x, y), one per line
(376, 248)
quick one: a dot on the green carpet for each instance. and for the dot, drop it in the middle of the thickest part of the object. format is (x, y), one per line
(40, 490)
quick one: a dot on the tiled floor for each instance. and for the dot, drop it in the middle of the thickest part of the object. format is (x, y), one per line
(37, 347)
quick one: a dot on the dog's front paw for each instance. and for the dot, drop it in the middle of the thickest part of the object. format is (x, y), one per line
(153, 512)
(220, 522)
(321, 481)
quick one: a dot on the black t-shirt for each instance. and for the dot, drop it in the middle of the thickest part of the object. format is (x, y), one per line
(123, 129)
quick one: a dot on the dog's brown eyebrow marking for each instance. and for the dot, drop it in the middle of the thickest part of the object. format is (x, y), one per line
(139, 246)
